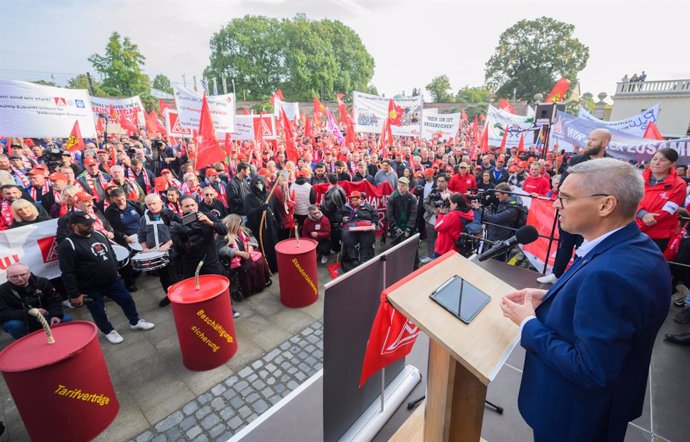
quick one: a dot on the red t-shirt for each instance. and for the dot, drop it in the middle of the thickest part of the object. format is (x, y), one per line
(539, 185)
(460, 184)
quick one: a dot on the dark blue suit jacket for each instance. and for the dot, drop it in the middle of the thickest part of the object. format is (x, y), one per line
(589, 349)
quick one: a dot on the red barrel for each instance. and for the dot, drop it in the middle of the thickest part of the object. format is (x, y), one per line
(62, 390)
(299, 282)
(203, 318)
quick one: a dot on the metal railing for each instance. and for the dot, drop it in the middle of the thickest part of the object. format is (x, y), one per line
(663, 87)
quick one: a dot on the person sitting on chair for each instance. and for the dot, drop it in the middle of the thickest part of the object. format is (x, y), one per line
(318, 227)
(355, 216)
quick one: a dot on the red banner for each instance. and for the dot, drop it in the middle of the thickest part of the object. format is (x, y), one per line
(541, 215)
(376, 196)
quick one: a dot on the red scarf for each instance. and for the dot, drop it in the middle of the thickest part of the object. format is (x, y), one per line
(92, 185)
(175, 207)
(147, 180)
(22, 177)
(34, 194)
(98, 224)
(63, 209)
(221, 193)
(7, 217)
(199, 191)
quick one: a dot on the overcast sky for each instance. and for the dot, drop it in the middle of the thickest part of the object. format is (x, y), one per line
(411, 41)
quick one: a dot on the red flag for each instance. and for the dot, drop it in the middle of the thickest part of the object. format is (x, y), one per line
(246, 110)
(75, 141)
(482, 118)
(395, 113)
(506, 106)
(521, 144)
(150, 123)
(463, 116)
(307, 128)
(350, 136)
(290, 149)
(344, 115)
(100, 125)
(484, 142)
(392, 337)
(502, 149)
(113, 115)
(208, 147)
(557, 94)
(278, 94)
(162, 106)
(474, 130)
(652, 132)
(319, 110)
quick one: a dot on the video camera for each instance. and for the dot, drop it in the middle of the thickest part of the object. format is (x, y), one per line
(52, 156)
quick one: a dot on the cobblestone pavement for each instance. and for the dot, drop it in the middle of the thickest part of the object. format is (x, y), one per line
(223, 410)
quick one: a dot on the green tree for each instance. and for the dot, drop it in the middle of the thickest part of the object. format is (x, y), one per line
(81, 81)
(532, 55)
(121, 70)
(439, 88)
(476, 99)
(161, 82)
(300, 56)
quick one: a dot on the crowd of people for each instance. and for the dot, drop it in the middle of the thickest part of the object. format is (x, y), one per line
(144, 198)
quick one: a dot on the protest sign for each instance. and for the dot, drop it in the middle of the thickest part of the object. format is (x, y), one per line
(244, 127)
(173, 126)
(371, 111)
(444, 126)
(124, 107)
(635, 125)
(291, 109)
(222, 108)
(33, 110)
(497, 120)
(33, 245)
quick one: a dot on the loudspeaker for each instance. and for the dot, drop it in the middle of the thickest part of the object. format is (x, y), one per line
(546, 112)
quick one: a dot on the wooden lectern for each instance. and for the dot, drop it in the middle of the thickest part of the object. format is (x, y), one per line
(463, 358)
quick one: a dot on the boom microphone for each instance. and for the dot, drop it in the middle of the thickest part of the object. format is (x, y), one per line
(523, 235)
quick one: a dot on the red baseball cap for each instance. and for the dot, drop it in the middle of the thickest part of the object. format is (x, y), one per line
(58, 176)
(165, 171)
(82, 196)
(304, 173)
(429, 172)
(355, 194)
(36, 171)
(523, 164)
(211, 172)
(90, 162)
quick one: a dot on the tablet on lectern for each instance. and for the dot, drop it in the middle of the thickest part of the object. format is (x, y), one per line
(462, 299)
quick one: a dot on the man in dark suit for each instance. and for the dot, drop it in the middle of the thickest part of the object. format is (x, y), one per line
(589, 339)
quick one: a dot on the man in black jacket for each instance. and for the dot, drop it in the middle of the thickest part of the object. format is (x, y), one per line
(238, 188)
(195, 241)
(22, 292)
(333, 201)
(89, 272)
(401, 212)
(354, 216)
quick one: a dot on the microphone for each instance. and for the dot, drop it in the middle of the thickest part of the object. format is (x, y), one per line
(523, 235)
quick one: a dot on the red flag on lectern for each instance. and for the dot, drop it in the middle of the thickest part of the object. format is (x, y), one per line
(208, 147)
(392, 337)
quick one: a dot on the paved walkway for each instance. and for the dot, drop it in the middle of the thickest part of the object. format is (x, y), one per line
(278, 348)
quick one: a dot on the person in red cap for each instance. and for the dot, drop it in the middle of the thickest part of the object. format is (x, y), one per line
(355, 216)
(213, 181)
(52, 200)
(40, 187)
(519, 177)
(93, 180)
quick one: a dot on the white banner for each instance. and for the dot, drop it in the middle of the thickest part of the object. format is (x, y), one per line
(370, 112)
(33, 110)
(172, 125)
(244, 127)
(635, 125)
(123, 106)
(497, 120)
(291, 109)
(33, 245)
(222, 109)
(444, 126)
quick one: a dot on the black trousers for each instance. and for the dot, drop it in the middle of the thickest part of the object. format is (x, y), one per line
(566, 245)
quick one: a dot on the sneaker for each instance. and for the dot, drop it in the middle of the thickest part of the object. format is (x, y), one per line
(324, 259)
(235, 313)
(114, 337)
(142, 325)
(683, 317)
(67, 304)
(164, 302)
(426, 260)
(547, 279)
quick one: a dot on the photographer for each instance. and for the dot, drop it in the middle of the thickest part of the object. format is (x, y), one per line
(401, 212)
(193, 239)
(502, 220)
(450, 222)
(163, 156)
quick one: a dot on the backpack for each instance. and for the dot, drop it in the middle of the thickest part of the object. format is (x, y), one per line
(522, 215)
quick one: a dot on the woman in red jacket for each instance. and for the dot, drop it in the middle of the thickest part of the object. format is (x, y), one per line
(664, 193)
(449, 225)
